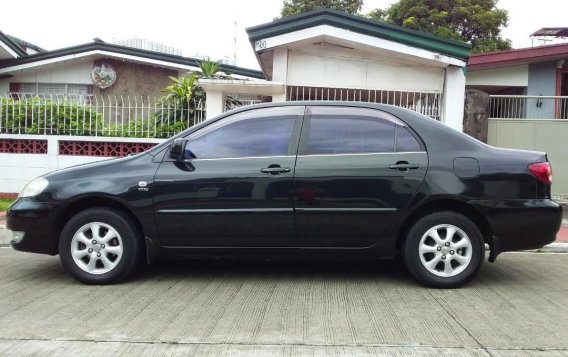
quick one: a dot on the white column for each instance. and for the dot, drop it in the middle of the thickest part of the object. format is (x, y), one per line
(454, 97)
(215, 103)
(280, 70)
(52, 161)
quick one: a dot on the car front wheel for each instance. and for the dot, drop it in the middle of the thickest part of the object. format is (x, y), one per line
(100, 246)
(444, 250)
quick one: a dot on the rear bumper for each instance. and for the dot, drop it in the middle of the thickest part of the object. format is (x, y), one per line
(522, 224)
(35, 222)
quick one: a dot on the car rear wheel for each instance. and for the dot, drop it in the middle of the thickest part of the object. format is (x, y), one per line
(444, 250)
(100, 246)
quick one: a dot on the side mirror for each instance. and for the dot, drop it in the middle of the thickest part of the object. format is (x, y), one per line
(177, 149)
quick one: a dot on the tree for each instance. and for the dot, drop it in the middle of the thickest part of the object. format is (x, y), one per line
(295, 7)
(477, 22)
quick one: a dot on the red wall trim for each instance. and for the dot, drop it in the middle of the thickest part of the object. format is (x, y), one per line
(100, 148)
(559, 72)
(23, 146)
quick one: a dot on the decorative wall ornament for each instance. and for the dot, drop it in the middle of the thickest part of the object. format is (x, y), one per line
(103, 75)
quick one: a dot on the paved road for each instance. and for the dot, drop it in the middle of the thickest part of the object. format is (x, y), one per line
(517, 307)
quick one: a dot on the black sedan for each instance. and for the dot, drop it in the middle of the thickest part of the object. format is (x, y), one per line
(310, 177)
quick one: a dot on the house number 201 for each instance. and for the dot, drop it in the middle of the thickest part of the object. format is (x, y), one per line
(260, 45)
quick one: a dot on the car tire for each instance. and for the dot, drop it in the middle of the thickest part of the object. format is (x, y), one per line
(100, 246)
(444, 250)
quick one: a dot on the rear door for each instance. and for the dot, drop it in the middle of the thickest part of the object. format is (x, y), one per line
(357, 168)
(237, 191)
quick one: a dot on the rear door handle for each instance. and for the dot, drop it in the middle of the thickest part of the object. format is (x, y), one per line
(404, 166)
(275, 170)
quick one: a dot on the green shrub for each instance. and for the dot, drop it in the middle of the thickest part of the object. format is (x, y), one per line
(4, 204)
(42, 116)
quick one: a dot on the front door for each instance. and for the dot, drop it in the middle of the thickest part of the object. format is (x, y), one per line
(357, 168)
(237, 189)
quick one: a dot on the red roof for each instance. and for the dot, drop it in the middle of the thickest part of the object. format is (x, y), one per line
(518, 56)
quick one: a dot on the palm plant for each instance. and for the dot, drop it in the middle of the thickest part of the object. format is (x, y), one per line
(184, 96)
(209, 68)
(183, 89)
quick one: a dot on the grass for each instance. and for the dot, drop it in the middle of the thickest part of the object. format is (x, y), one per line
(4, 203)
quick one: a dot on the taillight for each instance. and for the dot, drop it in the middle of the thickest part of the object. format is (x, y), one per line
(542, 171)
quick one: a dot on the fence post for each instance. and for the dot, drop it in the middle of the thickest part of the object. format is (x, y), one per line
(476, 114)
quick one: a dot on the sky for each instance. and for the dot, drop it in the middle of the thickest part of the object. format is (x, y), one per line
(205, 28)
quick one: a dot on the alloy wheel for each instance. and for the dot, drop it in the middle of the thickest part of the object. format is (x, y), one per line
(445, 250)
(96, 248)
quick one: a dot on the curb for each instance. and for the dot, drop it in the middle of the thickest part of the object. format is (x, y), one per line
(553, 248)
(4, 236)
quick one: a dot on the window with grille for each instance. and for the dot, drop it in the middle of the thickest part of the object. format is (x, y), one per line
(51, 88)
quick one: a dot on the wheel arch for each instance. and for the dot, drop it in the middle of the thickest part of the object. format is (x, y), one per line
(86, 203)
(445, 204)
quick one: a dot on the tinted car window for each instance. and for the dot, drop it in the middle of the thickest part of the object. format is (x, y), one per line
(264, 132)
(405, 141)
(349, 132)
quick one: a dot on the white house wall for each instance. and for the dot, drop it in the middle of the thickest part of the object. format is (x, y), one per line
(515, 76)
(360, 71)
(69, 72)
(454, 97)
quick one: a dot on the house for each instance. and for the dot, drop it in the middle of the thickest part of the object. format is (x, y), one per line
(330, 55)
(96, 68)
(323, 54)
(527, 78)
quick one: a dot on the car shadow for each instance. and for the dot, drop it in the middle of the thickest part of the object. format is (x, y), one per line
(388, 271)
(276, 267)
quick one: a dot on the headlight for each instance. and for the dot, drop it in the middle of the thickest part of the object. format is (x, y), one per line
(34, 188)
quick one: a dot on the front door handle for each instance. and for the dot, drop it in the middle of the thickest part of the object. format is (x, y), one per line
(275, 169)
(404, 166)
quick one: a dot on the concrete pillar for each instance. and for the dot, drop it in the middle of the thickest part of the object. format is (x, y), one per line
(280, 70)
(52, 161)
(454, 96)
(215, 103)
(476, 114)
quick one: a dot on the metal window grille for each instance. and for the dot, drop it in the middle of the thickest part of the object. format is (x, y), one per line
(424, 102)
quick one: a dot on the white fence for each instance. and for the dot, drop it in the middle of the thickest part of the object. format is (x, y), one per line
(527, 107)
(533, 123)
(114, 116)
(25, 157)
(540, 135)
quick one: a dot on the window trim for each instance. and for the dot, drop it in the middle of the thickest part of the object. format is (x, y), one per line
(413, 134)
(297, 111)
(36, 91)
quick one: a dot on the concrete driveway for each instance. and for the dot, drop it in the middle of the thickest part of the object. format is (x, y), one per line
(516, 307)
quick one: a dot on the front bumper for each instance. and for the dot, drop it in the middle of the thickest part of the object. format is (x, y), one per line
(522, 224)
(35, 220)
